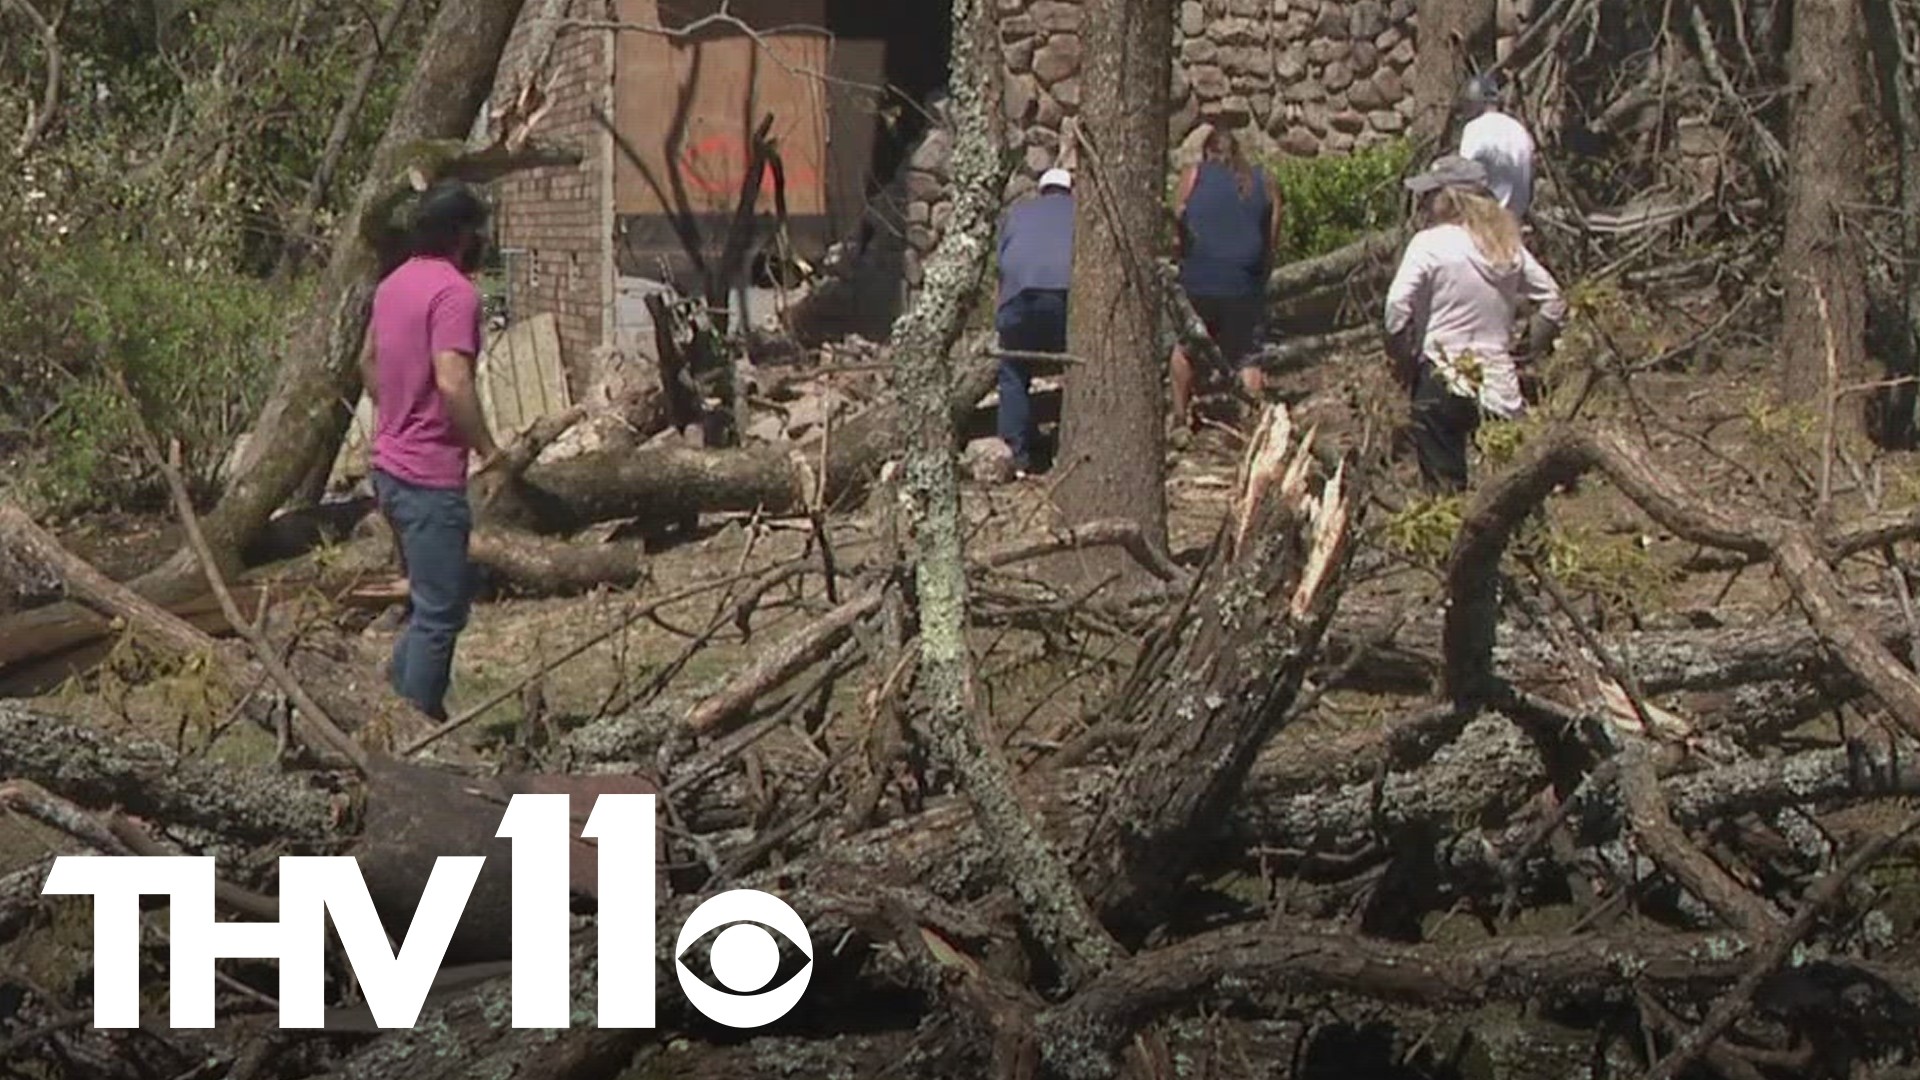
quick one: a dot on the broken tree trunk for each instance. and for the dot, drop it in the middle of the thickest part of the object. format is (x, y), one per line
(1209, 700)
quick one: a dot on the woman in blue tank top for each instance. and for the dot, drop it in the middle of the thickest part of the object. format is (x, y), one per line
(1229, 227)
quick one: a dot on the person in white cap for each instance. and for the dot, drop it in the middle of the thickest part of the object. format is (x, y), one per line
(1036, 268)
(1500, 143)
(1451, 311)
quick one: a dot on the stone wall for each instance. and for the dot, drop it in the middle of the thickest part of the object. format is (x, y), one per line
(1291, 77)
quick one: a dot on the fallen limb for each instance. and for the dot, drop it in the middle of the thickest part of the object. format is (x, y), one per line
(536, 565)
(667, 482)
(1335, 266)
(1499, 508)
(1081, 1035)
(326, 687)
(311, 714)
(779, 664)
(1773, 953)
(98, 768)
(1673, 852)
(63, 637)
(115, 835)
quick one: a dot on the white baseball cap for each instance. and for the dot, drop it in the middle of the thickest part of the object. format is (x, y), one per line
(1059, 178)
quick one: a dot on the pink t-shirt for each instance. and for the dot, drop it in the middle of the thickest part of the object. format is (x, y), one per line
(424, 307)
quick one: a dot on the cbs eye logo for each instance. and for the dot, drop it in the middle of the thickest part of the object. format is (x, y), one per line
(744, 958)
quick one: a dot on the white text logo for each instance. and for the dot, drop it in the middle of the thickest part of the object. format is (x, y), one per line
(744, 956)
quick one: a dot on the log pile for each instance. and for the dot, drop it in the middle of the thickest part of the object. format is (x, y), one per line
(1553, 850)
(1562, 848)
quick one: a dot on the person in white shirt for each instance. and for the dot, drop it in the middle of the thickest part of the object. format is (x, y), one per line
(1450, 315)
(1500, 143)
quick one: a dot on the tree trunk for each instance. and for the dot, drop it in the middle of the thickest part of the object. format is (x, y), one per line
(1451, 34)
(664, 483)
(1824, 314)
(923, 340)
(1890, 34)
(1112, 436)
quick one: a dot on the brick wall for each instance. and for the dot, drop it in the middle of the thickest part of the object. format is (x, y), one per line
(556, 223)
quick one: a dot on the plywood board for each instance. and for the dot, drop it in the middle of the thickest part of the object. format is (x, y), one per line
(522, 378)
(687, 110)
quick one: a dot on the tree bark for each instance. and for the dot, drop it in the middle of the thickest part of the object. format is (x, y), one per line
(1451, 36)
(1112, 460)
(1824, 316)
(1231, 681)
(97, 768)
(1054, 909)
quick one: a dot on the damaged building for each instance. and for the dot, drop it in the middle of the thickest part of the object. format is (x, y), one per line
(662, 97)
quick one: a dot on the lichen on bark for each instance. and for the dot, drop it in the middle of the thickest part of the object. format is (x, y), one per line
(923, 340)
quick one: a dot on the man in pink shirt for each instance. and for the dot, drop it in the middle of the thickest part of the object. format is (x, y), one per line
(417, 365)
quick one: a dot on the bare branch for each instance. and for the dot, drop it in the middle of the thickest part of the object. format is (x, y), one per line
(38, 120)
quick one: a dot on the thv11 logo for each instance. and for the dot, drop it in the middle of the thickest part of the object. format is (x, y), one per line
(744, 956)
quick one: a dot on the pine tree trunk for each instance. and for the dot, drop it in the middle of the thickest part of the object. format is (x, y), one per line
(1824, 259)
(1450, 34)
(1112, 434)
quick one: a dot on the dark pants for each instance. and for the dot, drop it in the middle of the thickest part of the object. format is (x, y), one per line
(1443, 426)
(1033, 321)
(432, 526)
(1236, 324)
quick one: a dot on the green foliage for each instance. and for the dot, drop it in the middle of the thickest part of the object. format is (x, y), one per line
(135, 234)
(199, 127)
(1424, 530)
(194, 345)
(1619, 571)
(1792, 431)
(1332, 201)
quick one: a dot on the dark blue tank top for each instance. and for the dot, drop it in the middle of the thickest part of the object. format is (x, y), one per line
(1226, 235)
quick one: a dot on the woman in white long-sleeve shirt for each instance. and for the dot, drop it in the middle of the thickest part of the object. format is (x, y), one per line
(1450, 315)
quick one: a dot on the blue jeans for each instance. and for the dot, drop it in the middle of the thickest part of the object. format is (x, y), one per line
(1031, 321)
(432, 525)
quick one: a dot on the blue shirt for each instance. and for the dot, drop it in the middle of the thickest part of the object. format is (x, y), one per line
(1036, 245)
(1226, 235)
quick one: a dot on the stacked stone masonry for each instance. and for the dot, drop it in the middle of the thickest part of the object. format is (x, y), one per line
(1291, 77)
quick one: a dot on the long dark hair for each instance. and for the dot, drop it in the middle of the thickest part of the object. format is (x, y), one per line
(1223, 148)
